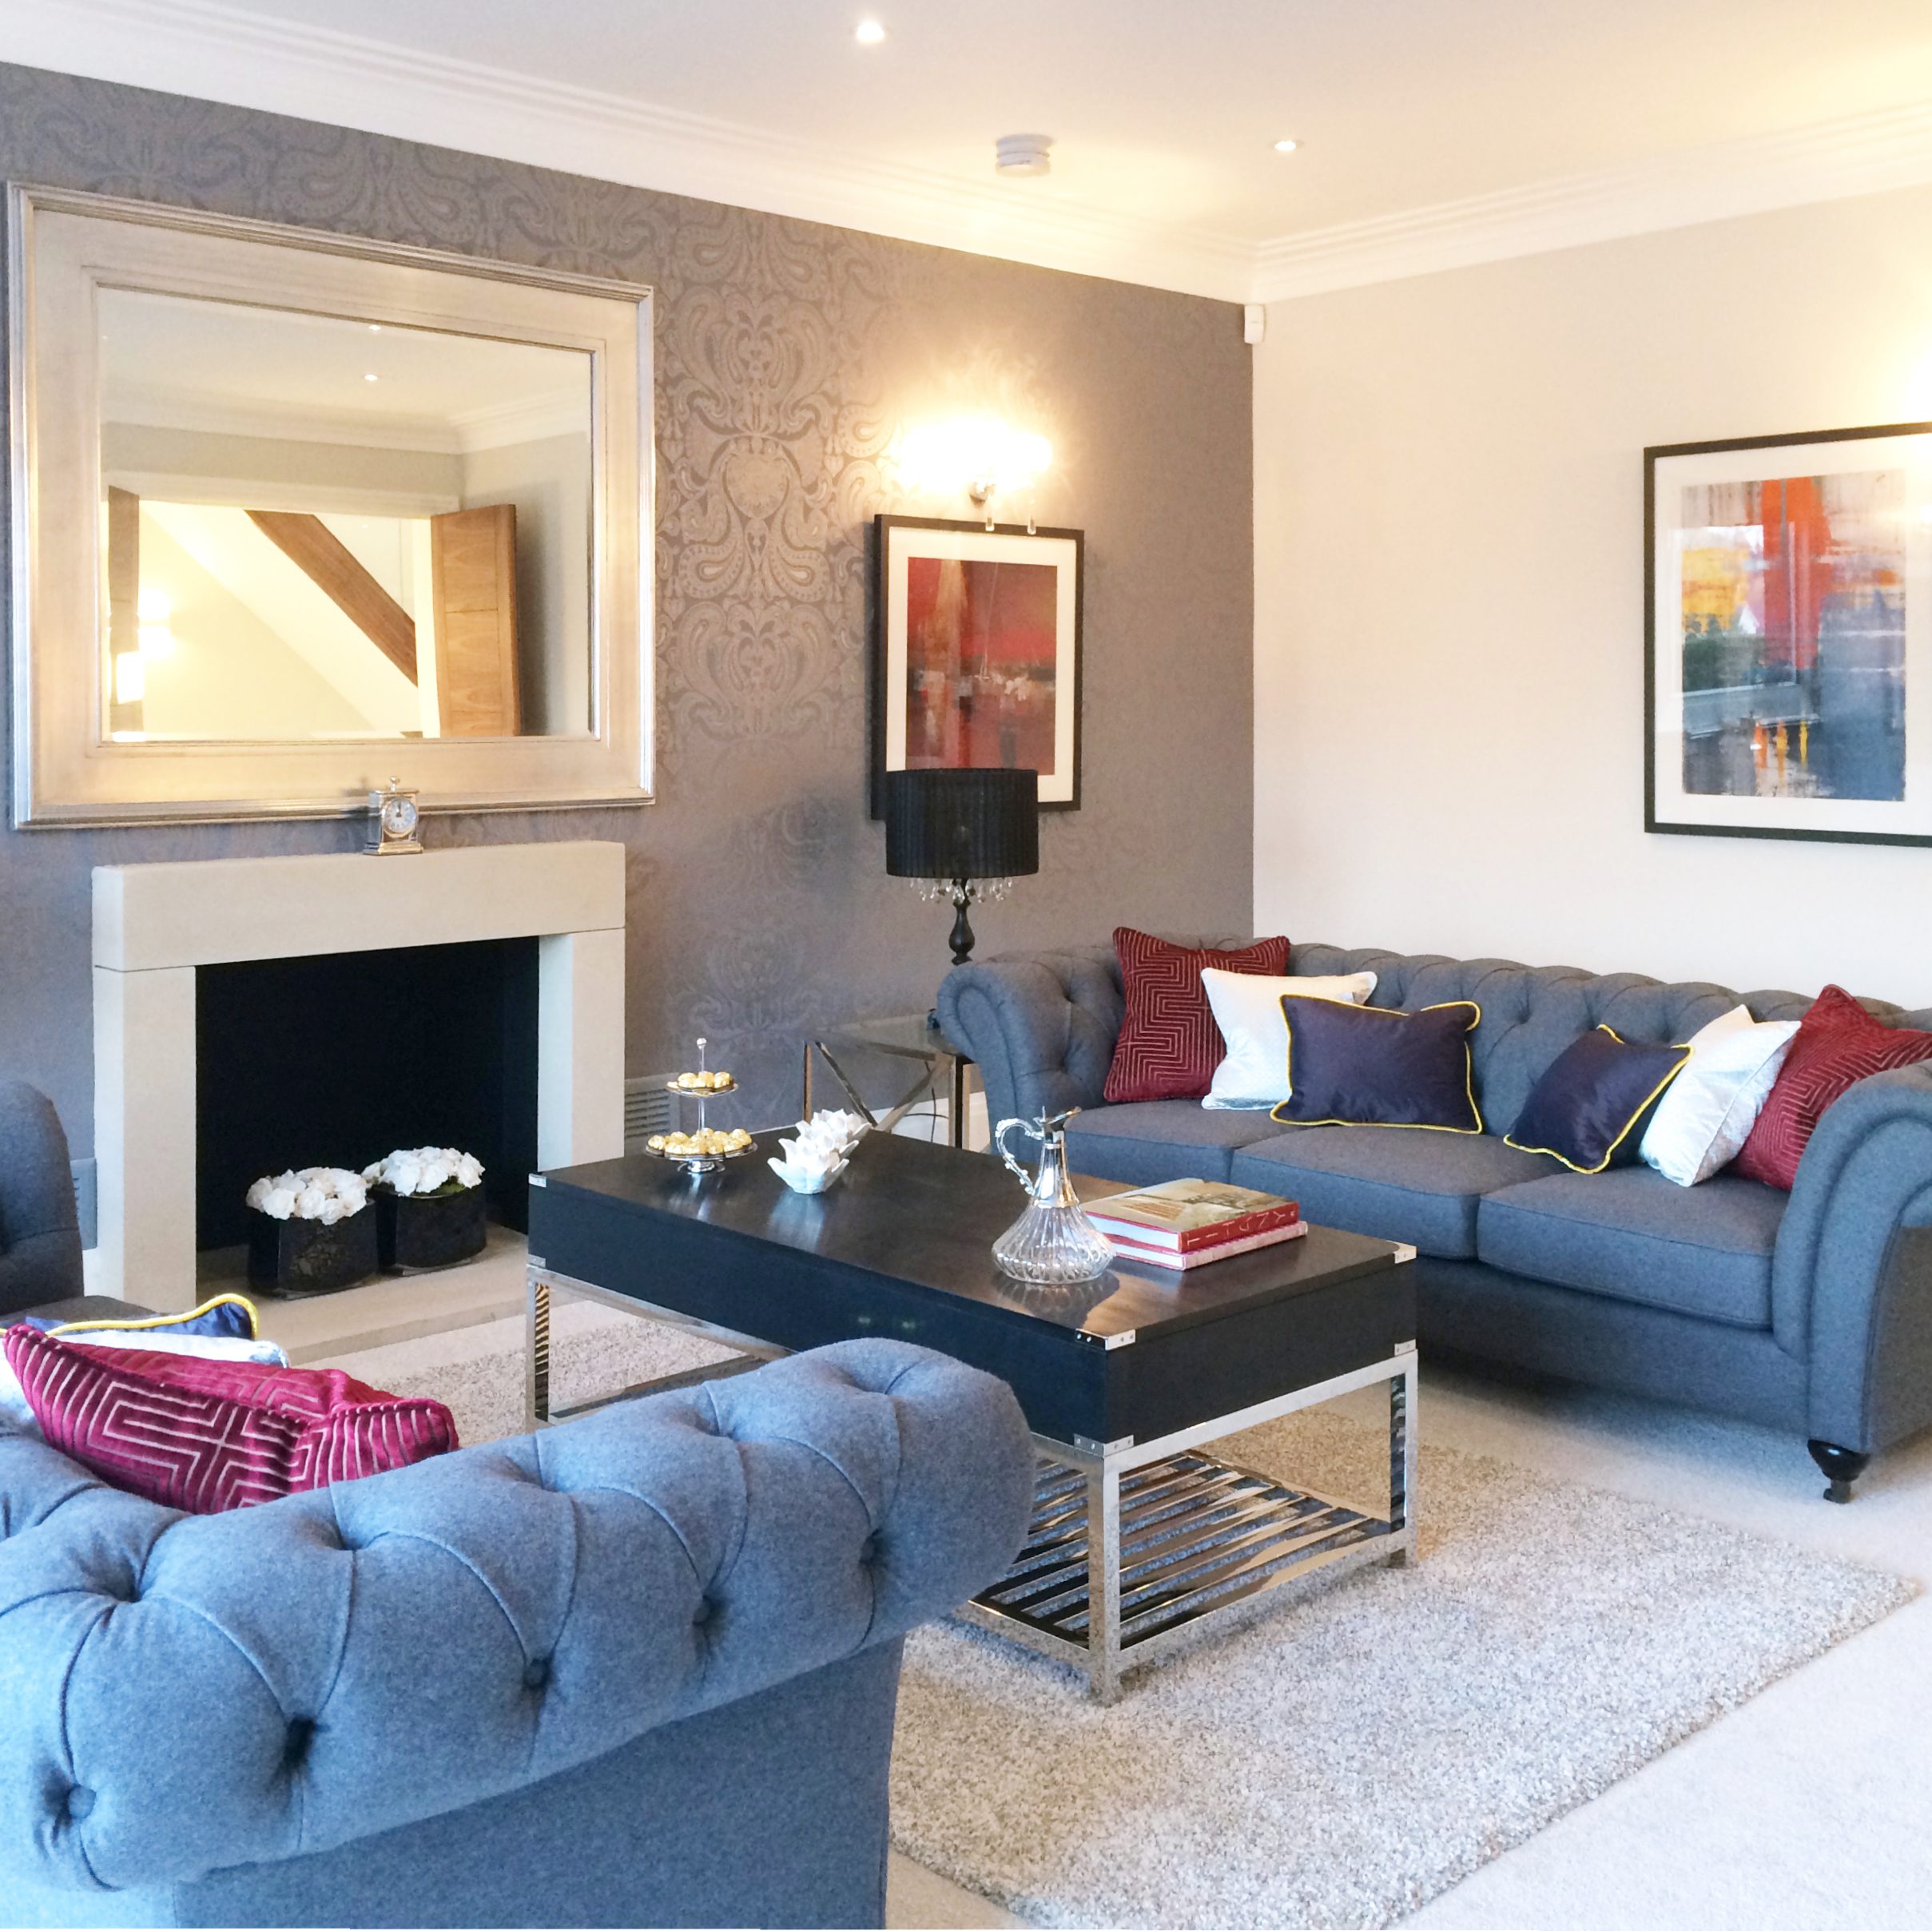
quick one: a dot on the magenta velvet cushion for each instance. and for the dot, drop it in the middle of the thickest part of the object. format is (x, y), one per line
(208, 1435)
(1838, 1044)
(1169, 1044)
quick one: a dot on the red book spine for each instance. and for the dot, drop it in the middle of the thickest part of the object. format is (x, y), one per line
(1264, 1220)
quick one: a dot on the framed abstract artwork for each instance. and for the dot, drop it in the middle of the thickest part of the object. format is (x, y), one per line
(976, 652)
(1787, 678)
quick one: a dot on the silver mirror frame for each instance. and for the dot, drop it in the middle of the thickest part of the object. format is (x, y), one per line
(61, 248)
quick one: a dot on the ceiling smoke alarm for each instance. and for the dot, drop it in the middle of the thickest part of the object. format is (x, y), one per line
(1024, 154)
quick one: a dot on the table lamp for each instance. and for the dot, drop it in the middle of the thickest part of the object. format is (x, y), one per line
(962, 836)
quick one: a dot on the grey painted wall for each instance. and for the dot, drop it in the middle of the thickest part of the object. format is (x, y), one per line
(787, 356)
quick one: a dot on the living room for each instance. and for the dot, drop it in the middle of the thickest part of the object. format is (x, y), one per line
(1367, 561)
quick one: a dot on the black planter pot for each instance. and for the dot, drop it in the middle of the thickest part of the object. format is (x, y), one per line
(430, 1230)
(295, 1257)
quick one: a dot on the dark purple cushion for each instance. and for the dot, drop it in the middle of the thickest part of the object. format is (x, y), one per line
(1585, 1110)
(1360, 1065)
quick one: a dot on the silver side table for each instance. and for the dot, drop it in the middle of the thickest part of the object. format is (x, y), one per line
(908, 1037)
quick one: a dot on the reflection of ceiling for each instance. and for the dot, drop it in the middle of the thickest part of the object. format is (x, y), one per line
(1433, 129)
(176, 363)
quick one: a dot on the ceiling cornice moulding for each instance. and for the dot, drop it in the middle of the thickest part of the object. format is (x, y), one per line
(204, 49)
(216, 53)
(1860, 154)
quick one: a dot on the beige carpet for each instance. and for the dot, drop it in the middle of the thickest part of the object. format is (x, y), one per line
(1347, 1757)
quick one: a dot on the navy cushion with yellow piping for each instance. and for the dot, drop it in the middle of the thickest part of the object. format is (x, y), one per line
(1587, 1109)
(230, 1317)
(1364, 1065)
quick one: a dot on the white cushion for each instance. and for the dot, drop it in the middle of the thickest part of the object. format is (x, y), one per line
(1708, 1112)
(1247, 1007)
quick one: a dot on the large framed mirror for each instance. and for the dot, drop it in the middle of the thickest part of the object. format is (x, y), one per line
(296, 513)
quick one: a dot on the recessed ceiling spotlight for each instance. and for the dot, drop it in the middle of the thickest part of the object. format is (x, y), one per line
(1023, 154)
(1286, 145)
(368, 378)
(869, 34)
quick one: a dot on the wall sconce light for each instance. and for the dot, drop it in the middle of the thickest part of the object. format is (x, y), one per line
(979, 454)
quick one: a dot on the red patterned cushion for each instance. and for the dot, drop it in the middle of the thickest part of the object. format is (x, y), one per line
(1838, 1044)
(208, 1436)
(1169, 1044)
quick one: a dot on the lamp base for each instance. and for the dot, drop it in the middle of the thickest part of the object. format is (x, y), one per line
(963, 892)
(962, 926)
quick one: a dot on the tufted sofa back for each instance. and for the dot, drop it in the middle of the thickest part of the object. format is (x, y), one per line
(1057, 1014)
(1531, 1013)
(181, 1693)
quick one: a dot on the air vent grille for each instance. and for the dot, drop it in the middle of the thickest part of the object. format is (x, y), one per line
(647, 1109)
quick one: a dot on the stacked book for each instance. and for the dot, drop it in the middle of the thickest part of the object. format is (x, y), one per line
(1186, 1223)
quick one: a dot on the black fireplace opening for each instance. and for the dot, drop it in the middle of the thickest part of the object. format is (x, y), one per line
(335, 1060)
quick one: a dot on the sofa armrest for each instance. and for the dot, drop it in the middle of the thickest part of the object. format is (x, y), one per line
(182, 1694)
(1040, 1026)
(40, 1240)
(1851, 1283)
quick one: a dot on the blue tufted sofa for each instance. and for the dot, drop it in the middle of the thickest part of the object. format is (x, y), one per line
(40, 1236)
(1811, 1311)
(637, 1669)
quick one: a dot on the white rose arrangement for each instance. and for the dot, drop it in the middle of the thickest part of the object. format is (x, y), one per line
(415, 1170)
(326, 1194)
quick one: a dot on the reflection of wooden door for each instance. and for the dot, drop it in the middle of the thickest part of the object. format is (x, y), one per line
(473, 556)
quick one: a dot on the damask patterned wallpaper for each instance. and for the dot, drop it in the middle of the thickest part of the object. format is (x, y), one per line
(790, 356)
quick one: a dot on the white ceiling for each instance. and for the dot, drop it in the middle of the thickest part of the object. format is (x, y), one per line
(184, 363)
(1433, 130)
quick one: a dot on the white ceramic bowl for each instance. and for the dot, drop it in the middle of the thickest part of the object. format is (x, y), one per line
(807, 1180)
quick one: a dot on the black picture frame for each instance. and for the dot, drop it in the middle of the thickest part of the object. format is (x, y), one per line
(890, 663)
(1654, 819)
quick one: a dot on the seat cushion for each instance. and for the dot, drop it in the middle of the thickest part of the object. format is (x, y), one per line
(1398, 1183)
(1160, 1139)
(1630, 1233)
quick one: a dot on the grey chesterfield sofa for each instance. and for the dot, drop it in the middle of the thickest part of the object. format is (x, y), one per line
(1810, 1310)
(40, 1240)
(639, 1669)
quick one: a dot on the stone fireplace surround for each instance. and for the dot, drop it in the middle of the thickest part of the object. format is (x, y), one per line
(155, 924)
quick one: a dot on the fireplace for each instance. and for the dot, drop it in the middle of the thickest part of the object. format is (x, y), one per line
(334, 1060)
(255, 1014)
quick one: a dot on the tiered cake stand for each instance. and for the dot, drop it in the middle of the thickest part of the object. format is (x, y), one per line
(701, 1162)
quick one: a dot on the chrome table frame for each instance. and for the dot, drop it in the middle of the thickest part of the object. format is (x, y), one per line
(1135, 1549)
(542, 1283)
(850, 1040)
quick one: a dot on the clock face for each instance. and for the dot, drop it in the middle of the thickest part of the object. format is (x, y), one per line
(399, 816)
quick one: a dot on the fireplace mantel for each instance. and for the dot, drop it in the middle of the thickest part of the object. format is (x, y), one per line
(154, 925)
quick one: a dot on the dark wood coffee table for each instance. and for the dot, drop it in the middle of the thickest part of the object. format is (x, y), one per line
(1139, 1536)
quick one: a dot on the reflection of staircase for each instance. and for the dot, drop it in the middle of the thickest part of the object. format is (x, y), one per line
(332, 568)
(282, 595)
(451, 669)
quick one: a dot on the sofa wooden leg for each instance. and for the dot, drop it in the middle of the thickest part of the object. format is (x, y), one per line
(1842, 1467)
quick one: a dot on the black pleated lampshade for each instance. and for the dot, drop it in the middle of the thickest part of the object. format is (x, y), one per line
(976, 823)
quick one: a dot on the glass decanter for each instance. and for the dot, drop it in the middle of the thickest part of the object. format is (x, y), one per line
(1053, 1243)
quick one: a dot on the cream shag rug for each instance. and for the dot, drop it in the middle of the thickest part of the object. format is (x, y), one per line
(1345, 1757)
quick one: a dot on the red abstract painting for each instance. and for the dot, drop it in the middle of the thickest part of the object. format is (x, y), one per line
(982, 652)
